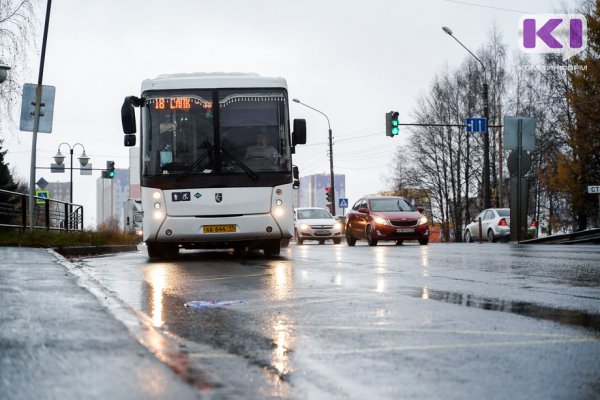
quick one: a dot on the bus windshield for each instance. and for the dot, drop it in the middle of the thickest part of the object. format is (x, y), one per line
(216, 132)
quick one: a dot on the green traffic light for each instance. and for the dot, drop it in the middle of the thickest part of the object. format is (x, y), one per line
(111, 174)
(395, 131)
(395, 123)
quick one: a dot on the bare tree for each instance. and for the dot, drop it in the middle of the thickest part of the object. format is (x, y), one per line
(448, 160)
(19, 24)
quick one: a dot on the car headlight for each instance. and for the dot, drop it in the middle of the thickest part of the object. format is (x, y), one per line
(304, 227)
(337, 225)
(422, 220)
(381, 221)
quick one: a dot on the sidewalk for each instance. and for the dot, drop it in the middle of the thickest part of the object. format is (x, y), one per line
(58, 341)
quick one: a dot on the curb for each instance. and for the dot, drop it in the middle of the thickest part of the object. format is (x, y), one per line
(93, 250)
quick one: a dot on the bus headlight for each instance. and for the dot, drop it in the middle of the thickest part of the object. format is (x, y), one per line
(157, 205)
(158, 215)
(278, 211)
(278, 202)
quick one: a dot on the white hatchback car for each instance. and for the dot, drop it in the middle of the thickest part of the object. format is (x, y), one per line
(313, 223)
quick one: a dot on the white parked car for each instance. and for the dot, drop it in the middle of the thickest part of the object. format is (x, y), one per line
(495, 225)
(313, 223)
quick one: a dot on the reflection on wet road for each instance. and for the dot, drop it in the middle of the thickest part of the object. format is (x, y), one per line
(374, 322)
(563, 316)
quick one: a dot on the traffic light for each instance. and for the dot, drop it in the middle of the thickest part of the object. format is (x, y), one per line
(110, 169)
(392, 125)
(328, 194)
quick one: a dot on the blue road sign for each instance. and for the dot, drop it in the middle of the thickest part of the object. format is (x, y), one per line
(343, 203)
(476, 125)
(42, 193)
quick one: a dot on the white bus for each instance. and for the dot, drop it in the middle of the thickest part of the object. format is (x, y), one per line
(215, 161)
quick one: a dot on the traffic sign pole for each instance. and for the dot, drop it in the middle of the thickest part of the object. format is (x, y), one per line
(36, 117)
(596, 189)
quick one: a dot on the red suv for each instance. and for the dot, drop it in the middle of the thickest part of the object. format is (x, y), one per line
(386, 218)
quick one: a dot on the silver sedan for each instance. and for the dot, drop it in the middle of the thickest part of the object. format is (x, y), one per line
(495, 225)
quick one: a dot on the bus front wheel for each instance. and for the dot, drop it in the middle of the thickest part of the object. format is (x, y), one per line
(272, 248)
(158, 251)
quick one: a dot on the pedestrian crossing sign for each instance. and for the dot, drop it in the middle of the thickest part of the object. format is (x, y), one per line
(343, 203)
(41, 193)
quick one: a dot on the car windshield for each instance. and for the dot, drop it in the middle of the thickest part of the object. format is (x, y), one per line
(313, 214)
(390, 205)
(503, 212)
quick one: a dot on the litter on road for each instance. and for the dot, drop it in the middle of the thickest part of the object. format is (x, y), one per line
(211, 304)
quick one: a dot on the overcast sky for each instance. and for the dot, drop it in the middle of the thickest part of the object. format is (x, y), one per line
(352, 60)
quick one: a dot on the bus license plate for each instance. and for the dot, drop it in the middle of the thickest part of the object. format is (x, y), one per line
(218, 228)
(405, 230)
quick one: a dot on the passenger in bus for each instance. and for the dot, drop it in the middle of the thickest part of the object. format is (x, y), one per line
(262, 152)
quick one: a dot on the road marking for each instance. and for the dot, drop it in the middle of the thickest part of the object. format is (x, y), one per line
(440, 331)
(456, 346)
(196, 356)
(225, 277)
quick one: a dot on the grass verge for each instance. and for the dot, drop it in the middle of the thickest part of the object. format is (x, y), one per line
(42, 238)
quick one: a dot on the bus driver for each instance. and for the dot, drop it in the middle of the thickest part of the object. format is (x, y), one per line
(262, 151)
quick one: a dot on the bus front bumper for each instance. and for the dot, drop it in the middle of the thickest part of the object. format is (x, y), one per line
(221, 229)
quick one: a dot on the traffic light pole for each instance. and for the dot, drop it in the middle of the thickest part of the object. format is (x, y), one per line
(332, 179)
(331, 173)
(486, 147)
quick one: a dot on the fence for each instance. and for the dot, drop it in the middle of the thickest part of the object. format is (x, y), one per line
(47, 214)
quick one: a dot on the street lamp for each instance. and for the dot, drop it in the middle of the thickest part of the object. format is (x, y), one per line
(330, 155)
(83, 161)
(486, 136)
(4, 68)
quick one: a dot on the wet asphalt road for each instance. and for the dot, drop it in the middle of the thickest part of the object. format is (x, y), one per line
(451, 321)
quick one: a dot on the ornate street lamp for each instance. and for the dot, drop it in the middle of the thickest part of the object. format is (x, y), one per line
(59, 158)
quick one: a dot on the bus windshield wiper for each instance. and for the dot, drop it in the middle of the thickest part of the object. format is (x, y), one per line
(240, 164)
(189, 169)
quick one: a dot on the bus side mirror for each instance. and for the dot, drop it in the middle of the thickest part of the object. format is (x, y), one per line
(299, 133)
(296, 176)
(128, 114)
(129, 140)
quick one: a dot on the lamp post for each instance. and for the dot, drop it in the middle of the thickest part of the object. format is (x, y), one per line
(486, 136)
(83, 161)
(330, 155)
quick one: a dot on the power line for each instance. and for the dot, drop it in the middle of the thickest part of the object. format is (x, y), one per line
(485, 6)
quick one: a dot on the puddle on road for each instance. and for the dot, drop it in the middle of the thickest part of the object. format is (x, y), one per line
(563, 316)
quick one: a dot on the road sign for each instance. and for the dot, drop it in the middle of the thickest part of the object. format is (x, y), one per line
(513, 163)
(42, 193)
(42, 183)
(57, 169)
(85, 169)
(511, 133)
(476, 125)
(28, 108)
(343, 203)
(595, 189)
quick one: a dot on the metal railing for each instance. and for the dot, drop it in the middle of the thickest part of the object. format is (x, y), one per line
(48, 214)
